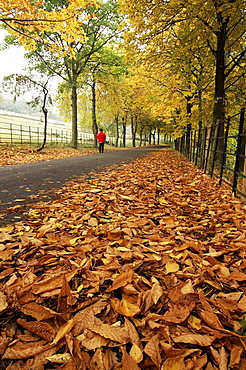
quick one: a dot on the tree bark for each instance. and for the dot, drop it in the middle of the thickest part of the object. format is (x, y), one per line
(45, 111)
(117, 131)
(188, 126)
(219, 89)
(134, 124)
(94, 118)
(124, 132)
(74, 142)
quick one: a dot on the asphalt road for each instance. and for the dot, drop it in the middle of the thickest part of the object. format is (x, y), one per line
(23, 184)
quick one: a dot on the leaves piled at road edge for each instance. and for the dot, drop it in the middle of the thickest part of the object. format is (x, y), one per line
(140, 267)
(11, 155)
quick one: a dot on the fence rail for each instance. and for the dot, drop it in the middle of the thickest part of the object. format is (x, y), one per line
(220, 151)
(11, 133)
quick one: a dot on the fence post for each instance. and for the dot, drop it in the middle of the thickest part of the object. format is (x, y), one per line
(194, 146)
(198, 146)
(30, 135)
(190, 146)
(243, 198)
(208, 147)
(11, 133)
(21, 133)
(216, 138)
(238, 151)
(203, 147)
(224, 150)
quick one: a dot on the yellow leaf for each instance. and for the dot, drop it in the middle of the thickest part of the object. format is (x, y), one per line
(64, 329)
(73, 241)
(136, 353)
(80, 288)
(3, 302)
(61, 358)
(162, 200)
(172, 267)
(124, 307)
(176, 363)
(194, 322)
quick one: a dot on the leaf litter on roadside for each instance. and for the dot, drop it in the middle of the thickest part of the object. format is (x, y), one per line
(140, 267)
(11, 155)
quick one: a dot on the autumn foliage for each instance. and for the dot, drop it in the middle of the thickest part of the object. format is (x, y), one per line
(30, 20)
(140, 267)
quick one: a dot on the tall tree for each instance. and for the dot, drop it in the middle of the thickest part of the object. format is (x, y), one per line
(100, 28)
(217, 26)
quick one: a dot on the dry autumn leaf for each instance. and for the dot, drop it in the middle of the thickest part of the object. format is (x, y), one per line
(3, 302)
(124, 307)
(91, 278)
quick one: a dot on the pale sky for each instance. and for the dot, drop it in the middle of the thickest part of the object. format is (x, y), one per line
(12, 59)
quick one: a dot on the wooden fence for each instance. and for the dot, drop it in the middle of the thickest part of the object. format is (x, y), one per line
(16, 128)
(220, 151)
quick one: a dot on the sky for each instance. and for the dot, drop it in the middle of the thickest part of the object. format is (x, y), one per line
(12, 59)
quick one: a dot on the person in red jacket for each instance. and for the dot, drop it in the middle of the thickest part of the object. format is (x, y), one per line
(101, 138)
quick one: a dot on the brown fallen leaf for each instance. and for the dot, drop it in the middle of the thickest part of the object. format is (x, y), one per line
(167, 259)
(153, 351)
(128, 362)
(37, 311)
(176, 363)
(197, 339)
(124, 307)
(41, 329)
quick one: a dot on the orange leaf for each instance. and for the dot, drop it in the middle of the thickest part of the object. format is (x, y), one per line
(124, 307)
(121, 280)
(64, 329)
(197, 339)
(128, 362)
(41, 329)
(39, 312)
(153, 351)
(176, 363)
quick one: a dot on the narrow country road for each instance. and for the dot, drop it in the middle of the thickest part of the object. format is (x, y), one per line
(23, 184)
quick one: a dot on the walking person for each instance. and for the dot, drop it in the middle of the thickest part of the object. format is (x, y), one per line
(101, 138)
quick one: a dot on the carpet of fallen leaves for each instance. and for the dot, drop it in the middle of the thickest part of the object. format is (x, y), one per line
(141, 267)
(10, 155)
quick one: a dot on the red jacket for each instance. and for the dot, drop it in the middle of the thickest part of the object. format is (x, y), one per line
(101, 137)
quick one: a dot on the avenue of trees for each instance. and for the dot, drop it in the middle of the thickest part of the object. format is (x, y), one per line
(159, 67)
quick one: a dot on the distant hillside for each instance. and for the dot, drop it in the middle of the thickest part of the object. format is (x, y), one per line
(20, 106)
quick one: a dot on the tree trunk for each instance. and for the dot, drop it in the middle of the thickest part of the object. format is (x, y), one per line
(154, 135)
(141, 136)
(45, 111)
(219, 90)
(188, 126)
(134, 124)
(158, 135)
(117, 130)
(74, 142)
(150, 137)
(94, 118)
(145, 139)
(124, 132)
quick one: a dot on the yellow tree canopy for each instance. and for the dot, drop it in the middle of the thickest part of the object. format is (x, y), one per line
(28, 20)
